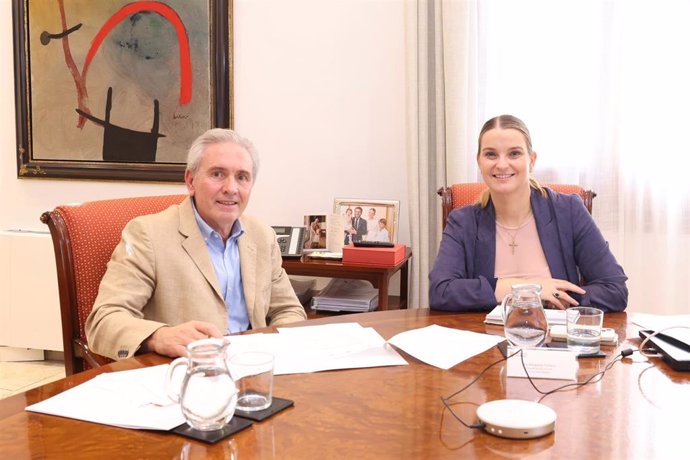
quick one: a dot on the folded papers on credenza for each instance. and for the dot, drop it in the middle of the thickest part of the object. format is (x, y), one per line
(347, 295)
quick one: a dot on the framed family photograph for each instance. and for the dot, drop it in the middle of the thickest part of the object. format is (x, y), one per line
(118, 89)
(368, 220)
(315, 237)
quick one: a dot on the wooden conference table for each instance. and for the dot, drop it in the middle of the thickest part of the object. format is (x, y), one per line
(638, 410)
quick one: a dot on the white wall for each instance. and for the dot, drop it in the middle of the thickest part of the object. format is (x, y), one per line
(319, 88)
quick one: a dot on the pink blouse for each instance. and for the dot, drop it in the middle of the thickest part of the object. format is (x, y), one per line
(519, 253)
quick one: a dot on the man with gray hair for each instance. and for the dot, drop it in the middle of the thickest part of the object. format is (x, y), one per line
(198, 269)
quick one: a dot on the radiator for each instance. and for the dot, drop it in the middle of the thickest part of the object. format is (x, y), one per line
(29, 299)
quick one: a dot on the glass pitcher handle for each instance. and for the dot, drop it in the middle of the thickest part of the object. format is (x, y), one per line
(504, 314)
(174, 392)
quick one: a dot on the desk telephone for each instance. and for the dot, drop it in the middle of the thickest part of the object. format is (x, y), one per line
(290, 240)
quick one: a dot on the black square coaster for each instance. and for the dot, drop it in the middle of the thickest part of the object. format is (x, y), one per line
(599, 354)
(212, 437)
(277, 405)
(503, 347)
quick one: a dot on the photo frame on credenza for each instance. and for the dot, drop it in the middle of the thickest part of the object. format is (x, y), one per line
(315, 236)
(368, 220)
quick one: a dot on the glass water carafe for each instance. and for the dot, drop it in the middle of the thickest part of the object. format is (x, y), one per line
(523, 316)
(207, 393)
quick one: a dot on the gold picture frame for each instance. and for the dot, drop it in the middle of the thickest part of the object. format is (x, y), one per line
(118, 89)
(385, 217)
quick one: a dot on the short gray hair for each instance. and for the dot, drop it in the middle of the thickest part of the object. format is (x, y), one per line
(220, 136)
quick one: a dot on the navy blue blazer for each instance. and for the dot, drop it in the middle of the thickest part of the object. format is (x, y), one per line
(360, 226)
(463, 275)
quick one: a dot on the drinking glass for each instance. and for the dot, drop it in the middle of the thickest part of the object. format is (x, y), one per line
(253, 373)
(584, 329)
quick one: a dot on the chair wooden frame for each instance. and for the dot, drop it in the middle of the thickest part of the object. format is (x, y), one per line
(75, 349)
(446, 194)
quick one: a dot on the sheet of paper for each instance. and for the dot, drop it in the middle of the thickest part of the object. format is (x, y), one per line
(339, 350)
(330, 341)
(543, 363)
(332, 346)
(128, 399)
(659, 322)
(335, 233)
(442, 346)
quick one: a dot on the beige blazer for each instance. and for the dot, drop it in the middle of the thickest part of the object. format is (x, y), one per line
(161, 274)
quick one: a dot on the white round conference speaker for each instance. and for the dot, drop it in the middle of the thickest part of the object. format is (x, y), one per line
(517, 419)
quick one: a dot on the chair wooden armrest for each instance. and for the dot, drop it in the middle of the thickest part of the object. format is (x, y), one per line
(93, 359)
(446, 203)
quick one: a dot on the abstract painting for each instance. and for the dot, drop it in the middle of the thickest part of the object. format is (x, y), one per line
(115, 89)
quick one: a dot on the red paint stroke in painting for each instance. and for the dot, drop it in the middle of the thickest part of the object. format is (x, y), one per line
(124, 12)
(170, 15)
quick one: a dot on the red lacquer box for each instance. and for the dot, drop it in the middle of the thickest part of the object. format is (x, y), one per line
(388, 257)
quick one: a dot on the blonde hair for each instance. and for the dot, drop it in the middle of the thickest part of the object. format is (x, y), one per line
(507, 122)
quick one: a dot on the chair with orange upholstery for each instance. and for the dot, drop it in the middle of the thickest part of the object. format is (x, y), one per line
(464, 194)
(84, 237)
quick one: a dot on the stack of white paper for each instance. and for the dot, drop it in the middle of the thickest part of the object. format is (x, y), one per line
(347, 295)
(128, 399)
(495, 316)
(334, 346)
(320, 348)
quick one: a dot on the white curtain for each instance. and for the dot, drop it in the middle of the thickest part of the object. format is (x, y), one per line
(604, 87)
(425, 140)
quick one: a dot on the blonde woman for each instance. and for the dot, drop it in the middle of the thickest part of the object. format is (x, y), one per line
(522, 232)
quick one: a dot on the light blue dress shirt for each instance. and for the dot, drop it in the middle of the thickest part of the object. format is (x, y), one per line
(225, 257)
